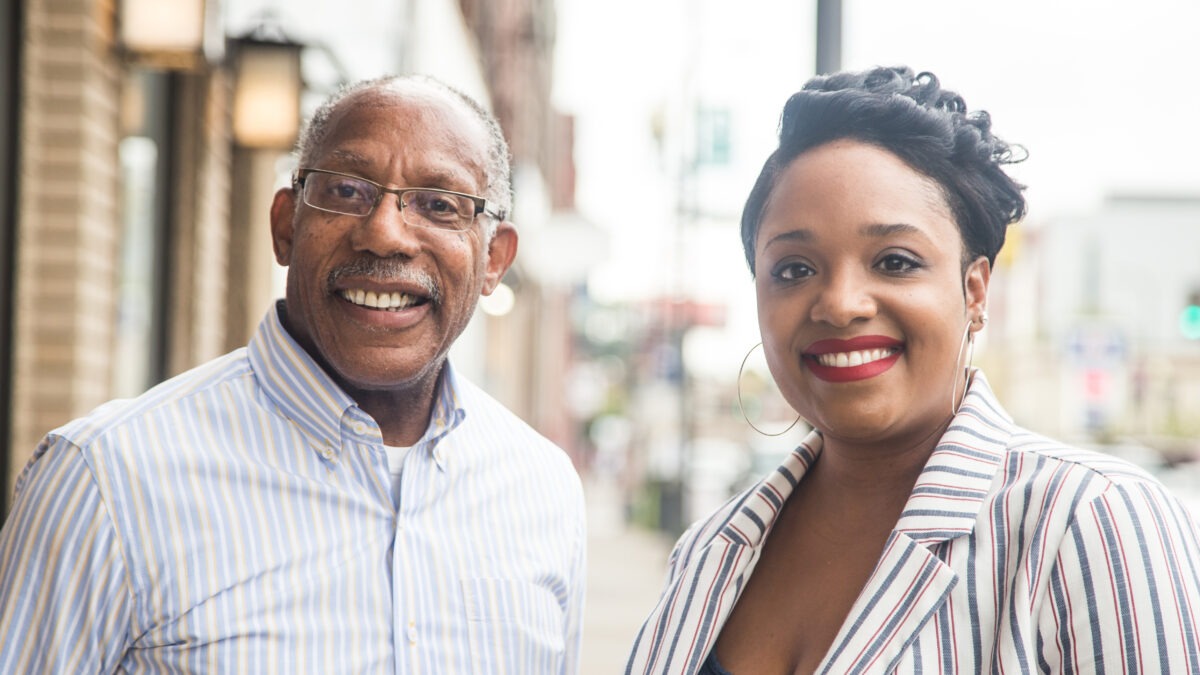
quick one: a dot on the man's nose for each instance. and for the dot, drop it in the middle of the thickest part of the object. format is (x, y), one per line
(385, 231)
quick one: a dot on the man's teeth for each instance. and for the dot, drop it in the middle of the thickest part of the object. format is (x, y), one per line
(379, 300)
(851, 359)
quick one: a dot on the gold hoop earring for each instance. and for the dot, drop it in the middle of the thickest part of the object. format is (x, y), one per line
(967, 338)
(742, 407)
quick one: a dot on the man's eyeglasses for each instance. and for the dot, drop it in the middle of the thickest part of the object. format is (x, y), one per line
(423, 207)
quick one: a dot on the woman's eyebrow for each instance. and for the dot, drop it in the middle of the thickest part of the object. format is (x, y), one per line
(889, 229)
(791, 235)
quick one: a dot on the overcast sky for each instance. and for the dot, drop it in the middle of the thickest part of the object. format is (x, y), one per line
(1103, 94)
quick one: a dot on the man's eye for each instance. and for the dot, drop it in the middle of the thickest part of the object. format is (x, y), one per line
(436, 206)
(439, 205)
(348, 190)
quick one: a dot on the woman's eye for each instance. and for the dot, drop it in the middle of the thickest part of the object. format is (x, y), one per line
(792, 271)
(896, 262)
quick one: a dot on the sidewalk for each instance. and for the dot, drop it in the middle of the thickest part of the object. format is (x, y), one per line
(626, 569)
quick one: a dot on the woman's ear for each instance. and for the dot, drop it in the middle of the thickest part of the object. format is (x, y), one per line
(975, 287)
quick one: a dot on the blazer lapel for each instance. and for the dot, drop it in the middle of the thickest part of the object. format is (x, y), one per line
(906, 589)
(910, 582)
(719, 558)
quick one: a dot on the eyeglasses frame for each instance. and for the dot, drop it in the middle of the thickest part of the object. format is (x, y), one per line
(481, 204)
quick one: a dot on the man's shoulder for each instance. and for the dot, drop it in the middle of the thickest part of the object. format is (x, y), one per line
(499, 426)
(177, 391)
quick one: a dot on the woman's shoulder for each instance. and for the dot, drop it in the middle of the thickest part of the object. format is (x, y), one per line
(1051, 455)
(1057, 475)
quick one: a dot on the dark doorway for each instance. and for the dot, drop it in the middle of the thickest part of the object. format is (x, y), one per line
(10, 106)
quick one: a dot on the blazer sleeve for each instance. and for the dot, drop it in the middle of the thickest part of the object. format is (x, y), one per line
(64, 598)
(1125, 588)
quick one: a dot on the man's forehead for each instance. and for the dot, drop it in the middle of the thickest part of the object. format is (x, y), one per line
(365, 124)
(413, 97)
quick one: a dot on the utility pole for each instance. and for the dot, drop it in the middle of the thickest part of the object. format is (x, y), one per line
(829, 36)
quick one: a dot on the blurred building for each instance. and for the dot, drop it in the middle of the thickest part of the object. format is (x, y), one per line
(529, 353)
(1091, 340)
(135, 236)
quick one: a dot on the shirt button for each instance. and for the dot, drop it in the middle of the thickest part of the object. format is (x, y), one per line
(327, 452)
(360, 428)
(412, 633)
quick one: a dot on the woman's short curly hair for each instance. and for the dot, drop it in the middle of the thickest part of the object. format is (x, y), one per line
(912, 117)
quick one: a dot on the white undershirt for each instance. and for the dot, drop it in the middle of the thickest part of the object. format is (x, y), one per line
(395, 457)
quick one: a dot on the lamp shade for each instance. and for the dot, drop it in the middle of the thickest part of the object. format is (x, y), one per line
(166, 34)
(266, 104)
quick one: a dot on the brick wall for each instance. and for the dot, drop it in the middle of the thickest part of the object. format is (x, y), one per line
(200, 224)
(68, 221)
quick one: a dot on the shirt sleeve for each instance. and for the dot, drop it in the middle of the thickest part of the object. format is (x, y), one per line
(1125, 590)
(64, 597)
(573, 638)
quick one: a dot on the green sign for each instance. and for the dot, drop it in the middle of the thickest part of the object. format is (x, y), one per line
(1189, 322)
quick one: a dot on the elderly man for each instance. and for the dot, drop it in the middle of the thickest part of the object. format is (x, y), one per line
(332, 498)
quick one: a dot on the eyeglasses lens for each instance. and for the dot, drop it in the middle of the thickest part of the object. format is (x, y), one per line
(358, 197)
(438, 209)
(340, 194)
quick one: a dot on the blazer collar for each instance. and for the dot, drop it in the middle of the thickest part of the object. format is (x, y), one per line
(910, 583)
(950, 490)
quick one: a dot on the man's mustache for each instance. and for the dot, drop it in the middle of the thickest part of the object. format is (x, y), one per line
(386, 270)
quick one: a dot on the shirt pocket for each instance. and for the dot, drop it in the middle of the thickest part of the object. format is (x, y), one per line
(514, 626)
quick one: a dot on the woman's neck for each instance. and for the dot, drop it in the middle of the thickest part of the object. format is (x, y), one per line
(875, 470)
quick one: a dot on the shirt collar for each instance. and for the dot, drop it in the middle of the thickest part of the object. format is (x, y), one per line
(314, 402)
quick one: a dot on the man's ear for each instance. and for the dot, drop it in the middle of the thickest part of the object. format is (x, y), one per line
(502, 250)
(283, 214)
(975, 285)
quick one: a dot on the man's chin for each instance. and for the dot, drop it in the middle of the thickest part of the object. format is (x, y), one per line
(395, 375)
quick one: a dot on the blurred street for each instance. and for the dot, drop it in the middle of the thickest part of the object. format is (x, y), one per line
(626, 568)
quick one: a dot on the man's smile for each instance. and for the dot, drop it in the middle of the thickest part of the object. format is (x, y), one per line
(393, 301)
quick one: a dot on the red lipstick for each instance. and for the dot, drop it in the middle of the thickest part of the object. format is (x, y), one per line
(831, 372)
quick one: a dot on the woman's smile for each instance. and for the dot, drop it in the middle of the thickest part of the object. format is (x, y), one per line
(855, 359)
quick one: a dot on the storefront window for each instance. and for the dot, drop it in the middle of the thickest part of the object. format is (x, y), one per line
(140, 334)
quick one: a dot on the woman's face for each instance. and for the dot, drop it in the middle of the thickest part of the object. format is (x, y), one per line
(862, 301)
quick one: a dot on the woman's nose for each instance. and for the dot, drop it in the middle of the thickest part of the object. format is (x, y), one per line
(844, 298)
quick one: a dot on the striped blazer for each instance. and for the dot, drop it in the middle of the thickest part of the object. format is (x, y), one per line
(1013, 554)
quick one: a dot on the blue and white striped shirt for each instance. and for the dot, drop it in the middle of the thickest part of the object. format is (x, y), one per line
(238, 518)
(1013, 554)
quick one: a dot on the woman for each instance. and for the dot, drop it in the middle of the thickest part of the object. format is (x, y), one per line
(917, 529)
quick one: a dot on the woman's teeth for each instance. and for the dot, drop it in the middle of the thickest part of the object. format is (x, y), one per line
(851, 359)
(389, 301)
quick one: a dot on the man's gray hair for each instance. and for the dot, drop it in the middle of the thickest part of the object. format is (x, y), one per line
(498, 166)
